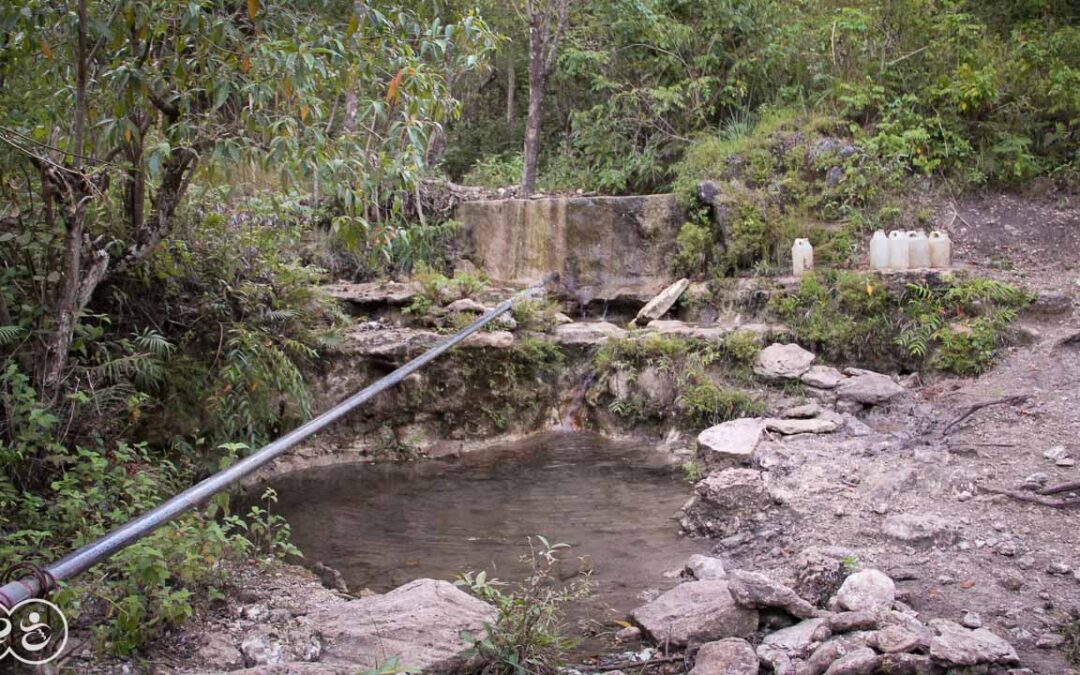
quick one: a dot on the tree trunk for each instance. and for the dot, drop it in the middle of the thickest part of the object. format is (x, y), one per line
(537, 85)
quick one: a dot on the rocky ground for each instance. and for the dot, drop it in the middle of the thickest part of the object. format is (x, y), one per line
(871, 524)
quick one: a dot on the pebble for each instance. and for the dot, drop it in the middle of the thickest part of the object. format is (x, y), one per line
(971, 620)
(628, 634)
(1066, 461)
(1026, 563)
(963, 496)
(1055, 453)
(1050, 641)
(1059, 568)
(1035, 480)
(1011, 580)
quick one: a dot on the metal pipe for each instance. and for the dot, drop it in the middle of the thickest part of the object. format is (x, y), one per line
(86, 557)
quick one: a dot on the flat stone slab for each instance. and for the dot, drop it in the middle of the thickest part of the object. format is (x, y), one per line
(420, 623)
(961, 646)
(400, 343)
(790, 427)
(587, 333)
(731, 443)
(698, 611)
(664, 301)
(718, 331)
(823, 377)
(921, 528)
(868, 388)
(783, 362)
(374, 293)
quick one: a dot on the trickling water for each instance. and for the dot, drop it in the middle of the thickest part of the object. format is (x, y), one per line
(384, 525)
(570, 417)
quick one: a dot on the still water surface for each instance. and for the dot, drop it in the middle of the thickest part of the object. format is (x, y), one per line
(613, 502)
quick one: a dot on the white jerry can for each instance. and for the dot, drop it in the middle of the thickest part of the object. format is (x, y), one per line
(898, 250)
(918, 250)
(802, 257)
(879, 251)
(940, 250)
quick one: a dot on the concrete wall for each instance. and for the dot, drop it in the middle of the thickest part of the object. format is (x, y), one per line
(604, 248)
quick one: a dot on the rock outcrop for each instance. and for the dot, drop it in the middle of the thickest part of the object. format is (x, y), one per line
(783, 362)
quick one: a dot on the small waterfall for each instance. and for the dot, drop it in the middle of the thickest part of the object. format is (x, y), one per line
(570, 416)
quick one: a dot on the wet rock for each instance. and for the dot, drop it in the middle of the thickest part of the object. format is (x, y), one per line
(823, 377)
(260, 650)
(731, 656)
(420, 622)
(867, 590)
(805, 411)
(920, 528)
(779, 362)
(697, 611)
(466, 305)
(587, 333)
(960, 646)
(757, 591)
(862, 661)
(786, 427)
(818, 575)
(731, 443)
(868, 388)
(659, 305)
(703, 567)
(221, 653)
(726, 503)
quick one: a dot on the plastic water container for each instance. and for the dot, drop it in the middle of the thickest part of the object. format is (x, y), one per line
(802, 257)
(898, 250)
(918, 250)
(940, 250)
(879, 251)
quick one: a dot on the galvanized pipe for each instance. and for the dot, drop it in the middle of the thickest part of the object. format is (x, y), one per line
(86, 557)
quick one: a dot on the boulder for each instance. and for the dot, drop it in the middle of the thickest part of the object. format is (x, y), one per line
(420, 623)
(731, 443)
(790, 427)
(703, 567)
(868, 590)
(731, 656)
(798, 641)
(757, 591)
(698, 611)
(823, 377)
(862, 661)
(844, 622)
(657, 386)
(466, 305)
(803, 412)
(783, 362)
(897, 639)
(956, 645)
(920, 528)
(818, 575)
(868, 388)
(726, 503)
(659, 305)
(586, 333)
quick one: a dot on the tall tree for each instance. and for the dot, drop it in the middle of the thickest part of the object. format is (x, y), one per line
(547, 22)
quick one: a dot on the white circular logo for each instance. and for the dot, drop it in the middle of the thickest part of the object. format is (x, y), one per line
(33, 631)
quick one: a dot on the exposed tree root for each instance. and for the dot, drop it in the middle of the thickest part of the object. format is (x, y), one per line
(975, 407)
(1032, 497)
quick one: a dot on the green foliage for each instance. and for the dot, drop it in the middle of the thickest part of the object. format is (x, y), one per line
(956, 327)
(704, 404)
(527, 636)
(268, 533)
(497, 171)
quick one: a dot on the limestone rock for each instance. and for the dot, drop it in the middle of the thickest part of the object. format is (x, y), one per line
(920, 528)
(466, 305)
(260, 650)
(731, 443)
(823, 377)
(961, 646)
(796, 641)
(862, 661)
(495, 339)
(374, 293)
(757, 591)
(697, 611)
(703, 567)
(867, 590)
(726, 503)
(844, 622)
(869, 388)
(586, 333)
(802, 412)
(731, 656)
(220, 652)
(790, 427)
(657, 386)
(659, 306)
(818, 575)
(779, 362)
(420, 622)
(896, 639)
(908, 664)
